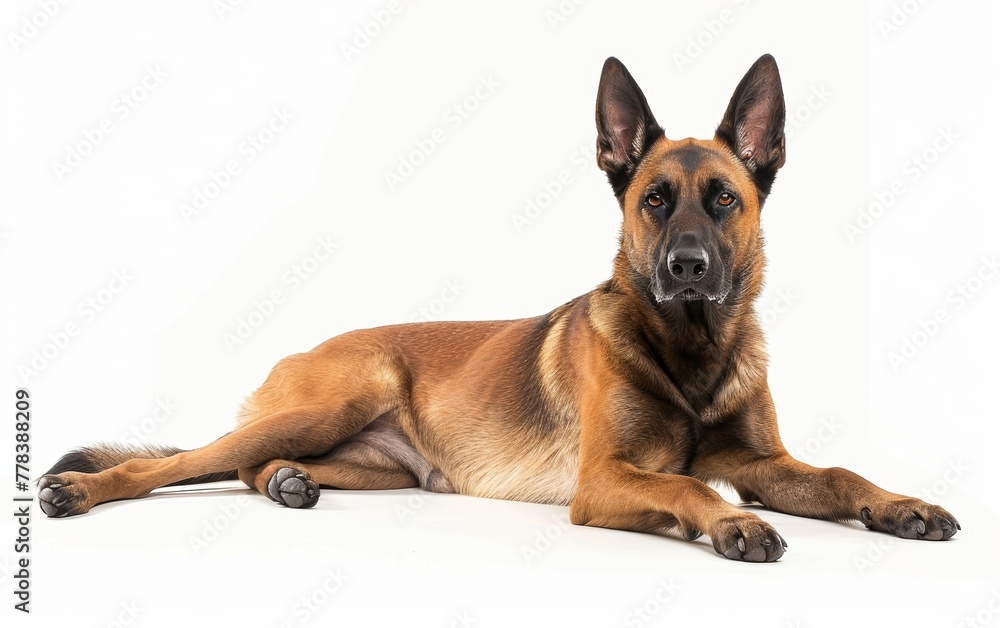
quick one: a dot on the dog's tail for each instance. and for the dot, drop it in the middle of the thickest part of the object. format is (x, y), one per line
(103, 456)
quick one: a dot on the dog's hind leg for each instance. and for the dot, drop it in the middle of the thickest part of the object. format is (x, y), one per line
(380, 456)
(314, 403)
(288, 434)
(295, 483)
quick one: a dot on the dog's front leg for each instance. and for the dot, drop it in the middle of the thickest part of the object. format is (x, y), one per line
(615, 493)
(784, 484)
(624, 497)
(761, 470)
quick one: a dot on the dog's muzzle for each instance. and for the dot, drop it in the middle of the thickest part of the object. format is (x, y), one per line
(689, 268)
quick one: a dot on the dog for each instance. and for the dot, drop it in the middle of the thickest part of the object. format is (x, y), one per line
(622, 403)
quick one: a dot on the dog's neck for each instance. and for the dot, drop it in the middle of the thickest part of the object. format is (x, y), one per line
(702, 330)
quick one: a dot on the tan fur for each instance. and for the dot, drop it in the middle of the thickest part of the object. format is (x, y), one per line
(620, 404)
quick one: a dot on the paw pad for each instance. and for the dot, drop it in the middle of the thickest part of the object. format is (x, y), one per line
(58, 497)
(293, 488)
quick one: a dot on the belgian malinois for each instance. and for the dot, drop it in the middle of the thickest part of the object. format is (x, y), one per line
(622, 403)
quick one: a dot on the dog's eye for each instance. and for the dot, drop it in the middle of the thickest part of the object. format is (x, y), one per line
(726, 199)
(654, 200)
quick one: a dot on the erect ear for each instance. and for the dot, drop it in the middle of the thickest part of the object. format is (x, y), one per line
(625, 125)
(754, 124)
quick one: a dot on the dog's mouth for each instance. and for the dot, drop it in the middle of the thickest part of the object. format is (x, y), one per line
(688, 294)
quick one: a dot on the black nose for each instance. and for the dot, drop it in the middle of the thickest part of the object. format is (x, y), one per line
(688, 263)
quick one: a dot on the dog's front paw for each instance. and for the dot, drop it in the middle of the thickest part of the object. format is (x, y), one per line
(293, 488)
(60, 496)
(911, 518)
(748, 538)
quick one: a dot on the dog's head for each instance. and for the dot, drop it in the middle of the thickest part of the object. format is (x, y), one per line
(692, 207)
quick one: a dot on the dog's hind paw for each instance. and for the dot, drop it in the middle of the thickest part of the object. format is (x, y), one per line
(293, 488)
(59, 496)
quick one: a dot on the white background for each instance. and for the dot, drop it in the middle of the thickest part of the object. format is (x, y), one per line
(864, 98)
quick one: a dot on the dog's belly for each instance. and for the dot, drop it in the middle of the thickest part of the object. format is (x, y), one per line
(500, 463)
(492, 463)
(505, 425)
